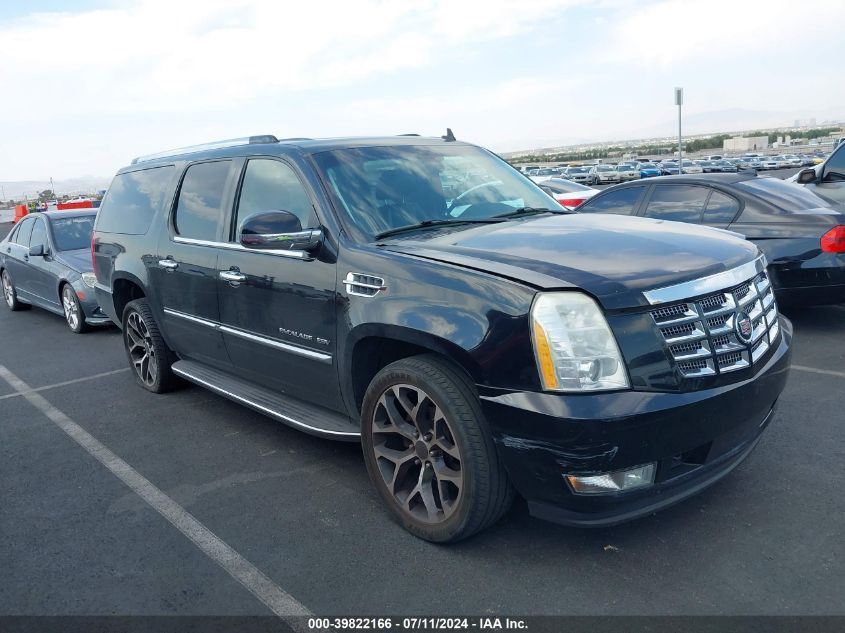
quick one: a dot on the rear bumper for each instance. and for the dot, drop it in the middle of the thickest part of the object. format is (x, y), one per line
(816, 281)
(695, 438)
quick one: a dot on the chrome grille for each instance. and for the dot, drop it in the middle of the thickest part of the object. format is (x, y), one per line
(702, 334)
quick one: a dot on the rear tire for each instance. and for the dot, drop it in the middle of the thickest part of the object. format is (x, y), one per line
(10, 294)
(429, 451)
(149, 357)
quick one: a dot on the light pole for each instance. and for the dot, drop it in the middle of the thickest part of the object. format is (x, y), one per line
(679, 101)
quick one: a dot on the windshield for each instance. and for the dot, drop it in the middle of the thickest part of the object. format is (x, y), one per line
(625, 166)
(578, 170)
(604, 168)
(70, 234)
(786, 195)
(383, 188)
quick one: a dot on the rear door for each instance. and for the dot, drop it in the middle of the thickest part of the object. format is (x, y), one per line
(279, 316)
(677, 203)
(185, 271)
(622, 201)
(17, 254)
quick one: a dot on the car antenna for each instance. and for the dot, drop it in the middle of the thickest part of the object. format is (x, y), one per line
(449, 136)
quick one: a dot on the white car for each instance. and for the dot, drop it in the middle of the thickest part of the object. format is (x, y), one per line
(690, 167)
(569, 195)
(793, 160)
(770, 162)
(628, 171)
(601, 174)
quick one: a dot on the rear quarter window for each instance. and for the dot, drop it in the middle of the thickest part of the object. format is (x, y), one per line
(133, 200)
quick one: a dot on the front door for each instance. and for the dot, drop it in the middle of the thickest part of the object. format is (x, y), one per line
(184, 273)
(277, 307)
(42, 272)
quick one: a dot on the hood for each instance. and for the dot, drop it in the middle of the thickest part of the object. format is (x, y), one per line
(79, 260)
(614, 258)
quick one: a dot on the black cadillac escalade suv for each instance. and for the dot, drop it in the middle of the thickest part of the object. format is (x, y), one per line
(424, 298)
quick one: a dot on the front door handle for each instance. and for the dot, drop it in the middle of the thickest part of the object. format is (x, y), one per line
(232, 276)
(169, 264)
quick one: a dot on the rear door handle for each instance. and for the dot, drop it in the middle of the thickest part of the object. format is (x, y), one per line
(169, 264)
(232, 276)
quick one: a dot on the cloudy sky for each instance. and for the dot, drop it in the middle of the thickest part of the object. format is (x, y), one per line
(87, 85)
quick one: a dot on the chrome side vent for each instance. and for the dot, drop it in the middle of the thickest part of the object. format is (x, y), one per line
(361, 285)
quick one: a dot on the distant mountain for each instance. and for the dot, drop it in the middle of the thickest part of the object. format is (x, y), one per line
(84, 184)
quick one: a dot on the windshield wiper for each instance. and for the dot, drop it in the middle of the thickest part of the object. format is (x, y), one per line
(427, 223)
(521, 211)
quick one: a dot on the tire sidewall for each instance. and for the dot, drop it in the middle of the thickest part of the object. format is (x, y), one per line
(141, 308)
(456, 523)
(6, 276)
(81, 315)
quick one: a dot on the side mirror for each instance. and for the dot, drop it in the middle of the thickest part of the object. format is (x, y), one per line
(806, 176)
(278, 230)
(37, 251)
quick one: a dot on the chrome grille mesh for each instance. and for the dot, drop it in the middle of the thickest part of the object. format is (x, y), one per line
(702, 334)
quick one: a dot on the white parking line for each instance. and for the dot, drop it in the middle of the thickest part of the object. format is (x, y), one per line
(17, 394)
(274, 597)
(826, 372)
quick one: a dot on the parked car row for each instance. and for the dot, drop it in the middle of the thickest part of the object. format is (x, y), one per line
(484, 339)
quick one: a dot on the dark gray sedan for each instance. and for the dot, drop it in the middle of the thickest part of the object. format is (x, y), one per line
(45, 261)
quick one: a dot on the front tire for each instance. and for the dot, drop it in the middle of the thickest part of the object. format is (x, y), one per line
(74, 314)
(429, 451)
(10, 294)
(149, 357)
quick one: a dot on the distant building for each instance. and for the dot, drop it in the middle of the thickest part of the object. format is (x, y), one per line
(745, 143)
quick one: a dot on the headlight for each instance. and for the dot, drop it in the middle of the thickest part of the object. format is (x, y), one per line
(89, 279)
(574, 347)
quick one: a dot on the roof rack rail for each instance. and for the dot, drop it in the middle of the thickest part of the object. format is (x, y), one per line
(409, 134)
(191, 149)
(295, 138)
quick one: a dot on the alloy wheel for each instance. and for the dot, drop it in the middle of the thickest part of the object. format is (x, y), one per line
(416, 453)
(8, 290)
(71, 308)
(139, 343)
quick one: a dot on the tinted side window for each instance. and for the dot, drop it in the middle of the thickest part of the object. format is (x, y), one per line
(620, 202)
(270, 185)
(834, 170)
(39, 233)
(133, 199)
(199, 210)
(721, 209)
(680, 203)
(24, 232)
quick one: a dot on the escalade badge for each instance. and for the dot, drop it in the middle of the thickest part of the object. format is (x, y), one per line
(744, 327)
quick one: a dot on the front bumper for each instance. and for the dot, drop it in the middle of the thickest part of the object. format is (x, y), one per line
(90, 307)
(696, 438)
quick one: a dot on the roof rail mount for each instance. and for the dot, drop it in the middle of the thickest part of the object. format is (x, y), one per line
(449, 136)
(191, 149)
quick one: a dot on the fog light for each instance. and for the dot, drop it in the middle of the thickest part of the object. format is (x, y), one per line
(619, 481)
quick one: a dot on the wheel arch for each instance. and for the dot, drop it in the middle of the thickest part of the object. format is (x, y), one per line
(126, 287)
(370, 348)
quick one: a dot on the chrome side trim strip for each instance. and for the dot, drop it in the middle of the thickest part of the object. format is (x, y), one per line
(307, 353)
(188, 317)
(260, 407)
(238, 247)
(713, 283)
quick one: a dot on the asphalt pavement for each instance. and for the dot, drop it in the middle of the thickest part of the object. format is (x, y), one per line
(76, 539)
